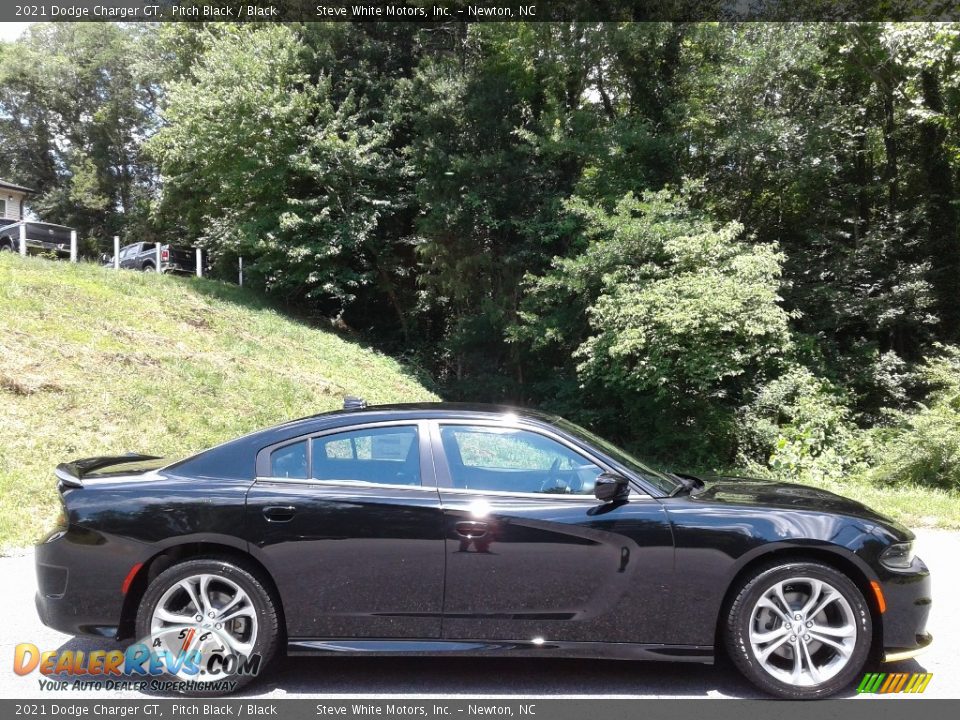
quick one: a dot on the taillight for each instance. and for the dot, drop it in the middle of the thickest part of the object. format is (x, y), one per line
(164, 254)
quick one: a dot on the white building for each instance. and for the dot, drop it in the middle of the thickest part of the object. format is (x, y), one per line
(12, 198)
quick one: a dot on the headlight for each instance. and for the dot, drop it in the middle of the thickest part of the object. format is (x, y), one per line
(898, 557)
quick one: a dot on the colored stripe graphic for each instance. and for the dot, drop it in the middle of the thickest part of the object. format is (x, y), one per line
(894, 683)
(890, 680)
(867, 683)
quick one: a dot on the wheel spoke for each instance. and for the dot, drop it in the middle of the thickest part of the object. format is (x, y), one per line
(778, 590)
(205, 593)
(812, 669)
(838, 646)
(797, 666)
(828, 598)
(169, 617)
(237, 646)
(844, 631)
(816, 591)
(766, 602)
(765, 637)
(237, 598)
(770, 649)
(245, 611)
(187, 585)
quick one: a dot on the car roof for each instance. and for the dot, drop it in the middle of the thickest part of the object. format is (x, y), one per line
(441, 409)
(227, 459)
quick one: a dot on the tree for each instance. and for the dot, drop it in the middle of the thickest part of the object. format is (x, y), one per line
(76, 101)
(261, 162)
(681, 314)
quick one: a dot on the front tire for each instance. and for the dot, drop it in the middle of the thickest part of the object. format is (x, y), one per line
(210, 607)
(799, 630)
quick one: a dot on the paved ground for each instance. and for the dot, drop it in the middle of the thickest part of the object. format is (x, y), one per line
(410, 677)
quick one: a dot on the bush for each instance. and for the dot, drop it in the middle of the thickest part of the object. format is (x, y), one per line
(798, 428)
(922, 446)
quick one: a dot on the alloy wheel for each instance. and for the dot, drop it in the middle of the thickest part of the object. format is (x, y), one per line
(803, 631)
(206, 613)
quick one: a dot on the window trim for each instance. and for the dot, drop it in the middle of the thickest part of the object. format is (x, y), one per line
(445, 478)
(427, 475)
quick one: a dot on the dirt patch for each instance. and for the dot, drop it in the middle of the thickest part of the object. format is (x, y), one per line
(27, 385)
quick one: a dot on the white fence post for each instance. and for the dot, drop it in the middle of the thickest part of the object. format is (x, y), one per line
(116, 252)
(158, 256)
(241, 271)
(23, 239)
(199, 262)
(73, 246)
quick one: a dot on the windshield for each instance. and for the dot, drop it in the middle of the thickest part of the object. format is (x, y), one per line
(657, 479)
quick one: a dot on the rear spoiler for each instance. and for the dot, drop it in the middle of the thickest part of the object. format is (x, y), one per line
(72, 473)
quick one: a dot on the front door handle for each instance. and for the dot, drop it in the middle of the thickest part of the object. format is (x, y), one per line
(279, 513)
(471, 529)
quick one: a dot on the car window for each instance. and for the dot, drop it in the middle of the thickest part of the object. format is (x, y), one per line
(385, 455)
(290, 461)
(514, 460)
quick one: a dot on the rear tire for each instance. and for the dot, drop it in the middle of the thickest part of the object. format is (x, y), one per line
(148, 268)
(799, 630)
(6, 247)
(237, 616)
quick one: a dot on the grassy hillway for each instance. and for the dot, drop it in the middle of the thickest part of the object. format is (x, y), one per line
(95, 362)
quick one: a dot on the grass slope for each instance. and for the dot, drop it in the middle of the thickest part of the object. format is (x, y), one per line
(96, 362)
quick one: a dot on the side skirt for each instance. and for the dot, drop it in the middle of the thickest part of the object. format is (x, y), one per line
(501, 648)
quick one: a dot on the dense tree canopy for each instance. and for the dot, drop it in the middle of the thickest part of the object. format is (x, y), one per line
(728, 244)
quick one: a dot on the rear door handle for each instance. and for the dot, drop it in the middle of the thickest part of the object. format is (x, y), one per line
(279, 513)
(471, 529)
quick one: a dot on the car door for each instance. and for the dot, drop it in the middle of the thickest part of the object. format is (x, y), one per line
(128, 255)
(531, 554)
(349, 524)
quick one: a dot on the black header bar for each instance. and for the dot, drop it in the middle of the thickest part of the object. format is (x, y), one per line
(433, 11)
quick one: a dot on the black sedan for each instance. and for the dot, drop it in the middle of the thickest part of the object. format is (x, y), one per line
(481, 530)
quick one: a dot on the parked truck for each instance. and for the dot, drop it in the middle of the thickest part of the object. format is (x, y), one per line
(41, 237)
(143, 256)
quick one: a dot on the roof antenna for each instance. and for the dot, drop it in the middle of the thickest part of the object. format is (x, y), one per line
(352, 402)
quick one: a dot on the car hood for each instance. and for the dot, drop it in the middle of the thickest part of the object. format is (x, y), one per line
(755, 492)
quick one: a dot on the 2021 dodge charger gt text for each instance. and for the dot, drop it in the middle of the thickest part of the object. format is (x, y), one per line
(481, 530)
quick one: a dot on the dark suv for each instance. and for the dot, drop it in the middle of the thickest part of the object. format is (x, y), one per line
(143, 256)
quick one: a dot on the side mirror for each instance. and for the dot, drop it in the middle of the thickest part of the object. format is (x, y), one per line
(105, 258)
(610, 486)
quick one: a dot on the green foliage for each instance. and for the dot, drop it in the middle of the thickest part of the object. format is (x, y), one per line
(286, 172)
(76, 101)
(679, 310)
(922, 445)
(799, 428)
(686, 308)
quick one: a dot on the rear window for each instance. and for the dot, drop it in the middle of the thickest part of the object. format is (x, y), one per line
(290, 461)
